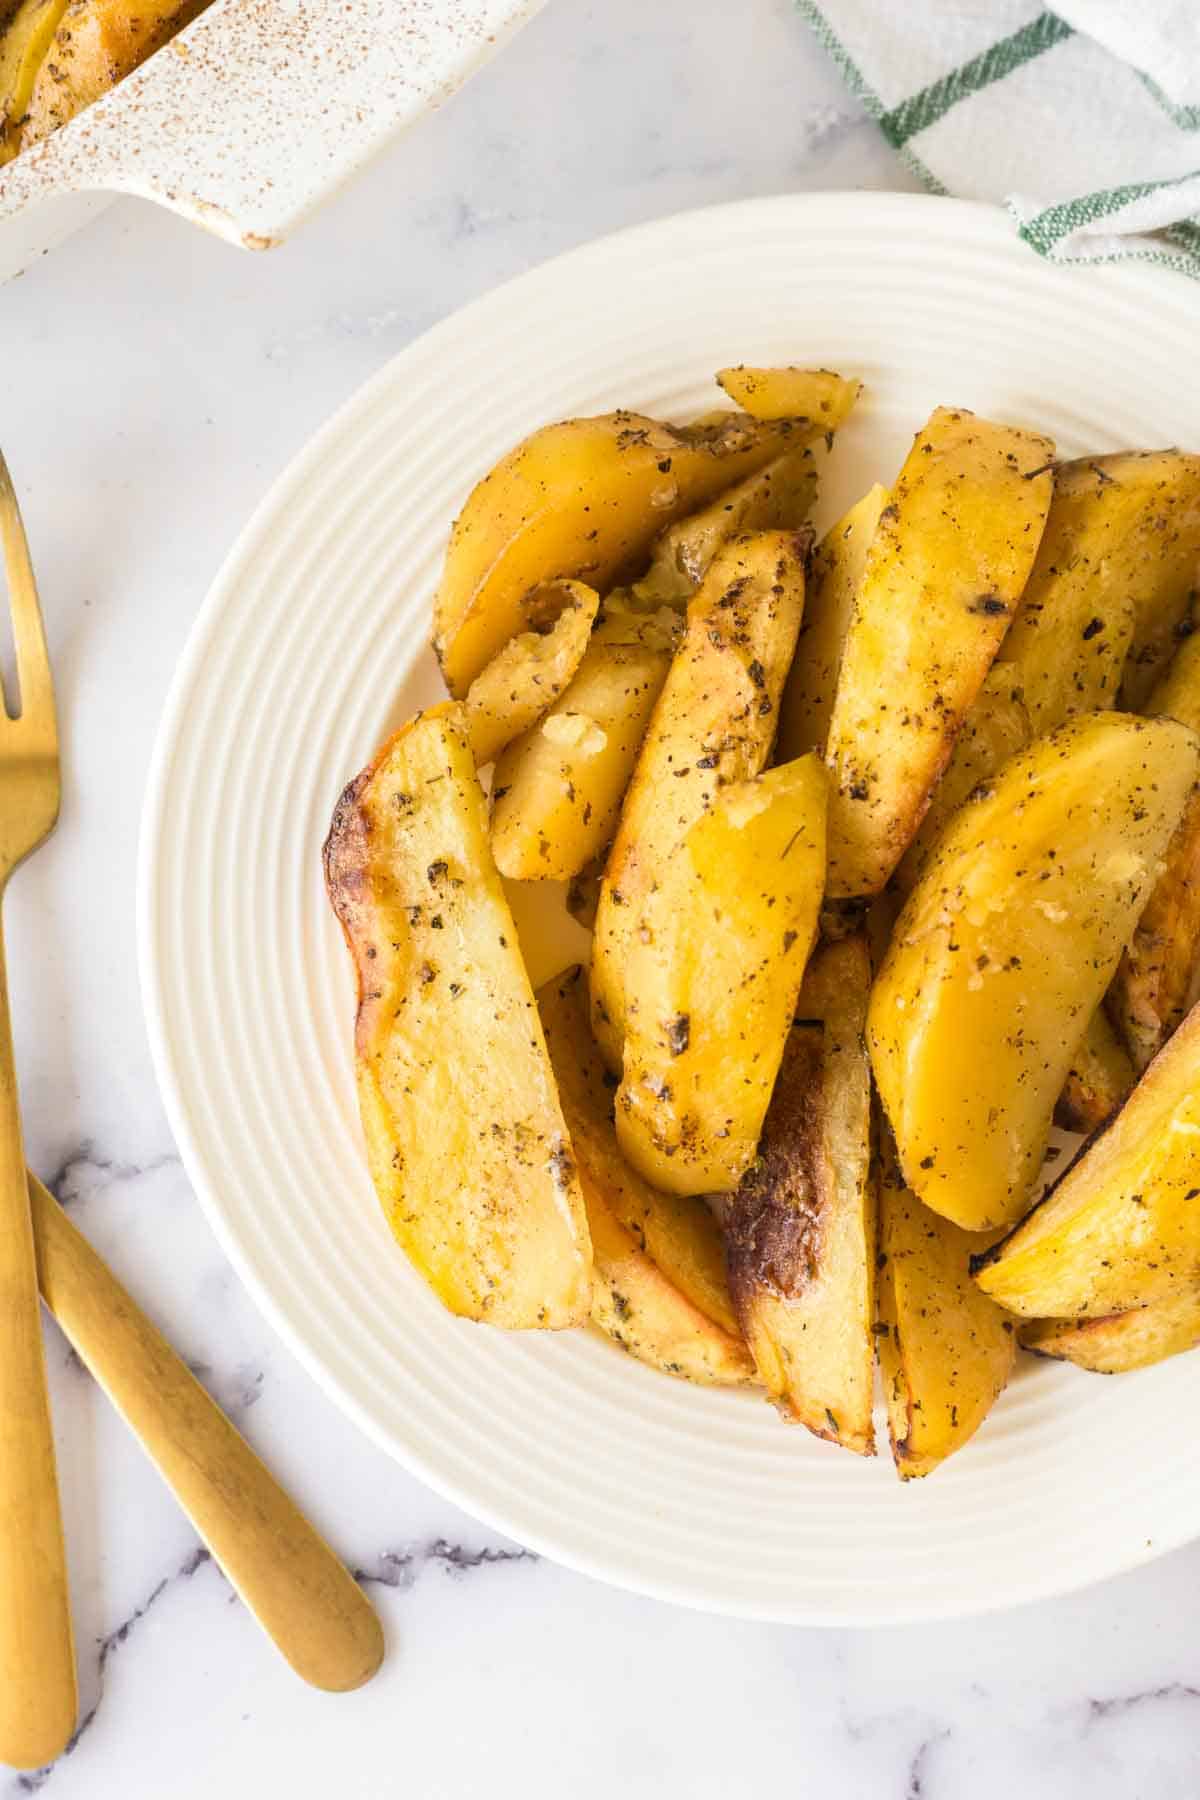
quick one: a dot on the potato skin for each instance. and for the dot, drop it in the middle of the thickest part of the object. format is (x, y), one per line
(944, 573)
(98, 43)
(945, 1350)
(801, 1228)
(1115, 568)
(582, 499)
(558, 790)
(1120, 1341)
(487, 1205)
(714, 977)
(27, 30)
(714, 723)
(1004, 950)
(660, 1287)
(1120, 1229)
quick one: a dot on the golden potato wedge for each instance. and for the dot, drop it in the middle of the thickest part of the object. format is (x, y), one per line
(1121, 1227)
(557, 790)
(26, 32)
(816, 394)
(635, 1304)
(945, 1350)
(996, 727)
(714, 723)
(523, 680)
(466, 1140)
(1100, 1079)
(944, 572)
(1115, 567)
(1005, 948)
(1160, 970)
(1120, 1341)
(1157, 976)
(98, 43)
(583, 499)
(778, 496)
(833, 583)
(660, 1287)
(800, 1230)
(1177, 695)
(1166, 597)
(713, 981)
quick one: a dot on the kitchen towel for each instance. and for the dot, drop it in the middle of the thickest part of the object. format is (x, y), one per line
(1084, 122)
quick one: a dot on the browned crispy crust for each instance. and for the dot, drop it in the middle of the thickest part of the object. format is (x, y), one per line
(775, 1224)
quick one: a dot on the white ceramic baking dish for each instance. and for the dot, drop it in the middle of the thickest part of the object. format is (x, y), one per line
(252, 116)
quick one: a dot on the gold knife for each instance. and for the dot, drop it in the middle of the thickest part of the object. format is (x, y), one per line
(302, 1596)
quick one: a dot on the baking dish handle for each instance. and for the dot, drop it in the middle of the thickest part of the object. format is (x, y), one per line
(261, 108)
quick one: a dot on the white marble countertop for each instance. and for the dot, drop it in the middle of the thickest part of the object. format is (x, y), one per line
(153, 381)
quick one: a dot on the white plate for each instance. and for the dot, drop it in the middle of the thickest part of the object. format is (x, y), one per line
(312, 644)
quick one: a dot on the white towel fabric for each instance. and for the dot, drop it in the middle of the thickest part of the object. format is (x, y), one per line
(1085, 122)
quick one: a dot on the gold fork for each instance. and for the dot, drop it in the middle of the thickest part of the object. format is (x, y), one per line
(38, 1699)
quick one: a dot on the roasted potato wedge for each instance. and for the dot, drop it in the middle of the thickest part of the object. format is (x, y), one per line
(660, 1287)
(945, 1350)
(714, 978)
(1005, 948)
(557, 791)
(818, 394)
(944, 572)
(466, 1140)
(778, 496)
(525, 678)
(583, 499)
(996, 727)
(1115, 568)
(800, 1230)
(1158, 975)
(635, 1304)
(1156, 979)
(833, 583)
(1177, 695)
(26, 32)
(1120, 1341)
(714, 723)
(97, 43)
(1100, 1080)
(1121, 1228)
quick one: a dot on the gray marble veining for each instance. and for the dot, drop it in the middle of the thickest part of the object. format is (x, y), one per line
(153, 383)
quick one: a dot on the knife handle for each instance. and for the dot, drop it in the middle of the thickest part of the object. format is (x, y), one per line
(302, 1596)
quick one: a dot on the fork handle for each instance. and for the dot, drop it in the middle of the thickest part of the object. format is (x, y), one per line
(38, 1697)
(302, 1596)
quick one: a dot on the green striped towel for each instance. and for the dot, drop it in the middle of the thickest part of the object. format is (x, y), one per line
(1085, 122)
